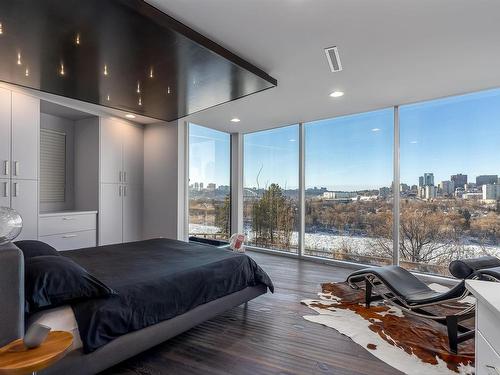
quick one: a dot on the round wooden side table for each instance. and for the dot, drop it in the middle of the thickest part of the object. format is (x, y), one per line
(16, 359)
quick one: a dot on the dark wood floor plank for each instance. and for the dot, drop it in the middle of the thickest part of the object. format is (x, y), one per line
(268, 336)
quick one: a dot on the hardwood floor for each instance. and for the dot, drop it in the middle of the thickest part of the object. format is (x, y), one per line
(269, 336)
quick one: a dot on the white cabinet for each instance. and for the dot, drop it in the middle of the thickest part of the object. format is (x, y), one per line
(69, 230)
(111, 150)
(122, 152)
(5, 118)
(19, 133)
(25, 134)
(133, 155)
(132, 212)
(111, 214)
(121, 176)
(24, 199)
(487, 336)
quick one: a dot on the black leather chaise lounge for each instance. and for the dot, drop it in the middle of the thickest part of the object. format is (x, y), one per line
(397, 286)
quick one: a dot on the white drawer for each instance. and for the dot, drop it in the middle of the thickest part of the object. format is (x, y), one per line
(49, 225)
(487, 324)
(71, 241)
(487, 360)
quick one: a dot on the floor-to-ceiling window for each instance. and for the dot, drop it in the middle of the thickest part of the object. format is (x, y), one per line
(449, 185)
(270, 194)
(209, 183)
(348, 193)
(450, 192)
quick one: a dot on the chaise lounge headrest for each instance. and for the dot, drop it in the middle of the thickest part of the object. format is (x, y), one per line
(464, 268)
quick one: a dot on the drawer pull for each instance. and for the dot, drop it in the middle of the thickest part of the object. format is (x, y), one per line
(5, 189)
(69, 236)
(6, 167)
(16, 168)
(68, 218)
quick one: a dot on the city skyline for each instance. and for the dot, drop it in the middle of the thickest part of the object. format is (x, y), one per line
(445, 137)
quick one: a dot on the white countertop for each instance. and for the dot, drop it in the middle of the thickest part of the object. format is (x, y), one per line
(486, 292)
(69, 212)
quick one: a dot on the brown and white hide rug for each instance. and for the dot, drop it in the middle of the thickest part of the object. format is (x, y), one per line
(410, 344)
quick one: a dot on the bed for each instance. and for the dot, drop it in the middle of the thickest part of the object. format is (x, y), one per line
(163, 288)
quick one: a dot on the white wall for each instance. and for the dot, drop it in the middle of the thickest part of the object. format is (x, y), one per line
(164, 180)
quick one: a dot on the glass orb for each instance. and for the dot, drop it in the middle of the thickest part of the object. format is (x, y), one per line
(11, 224)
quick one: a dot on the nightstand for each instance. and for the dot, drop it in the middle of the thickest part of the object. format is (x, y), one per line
(16, 359)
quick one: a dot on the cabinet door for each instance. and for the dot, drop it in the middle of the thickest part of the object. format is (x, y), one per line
(132, 213)
(111, 150)
(110, 214)
(133, 154)
(25, 135)
(24, 199)
(4, 132)
(4, 192)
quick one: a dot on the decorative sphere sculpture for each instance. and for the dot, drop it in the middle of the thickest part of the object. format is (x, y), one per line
(11, 224)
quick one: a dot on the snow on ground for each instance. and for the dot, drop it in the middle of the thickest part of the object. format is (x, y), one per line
(324, 241)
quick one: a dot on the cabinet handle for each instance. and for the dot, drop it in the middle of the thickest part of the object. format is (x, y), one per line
(5, 189)
(120, 174)
(16, 168)
(69, 236)
(68, 218)
(16, 190)
(124, 191)
(6, 167)
(120, 190)
(124, 176)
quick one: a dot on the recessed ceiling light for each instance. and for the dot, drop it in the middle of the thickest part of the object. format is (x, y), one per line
(337, 94)
(235, 119)
(129, 115)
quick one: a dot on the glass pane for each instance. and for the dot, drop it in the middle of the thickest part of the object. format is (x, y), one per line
(209, 183)
(271, 181)
(348, 178)
(450, 161)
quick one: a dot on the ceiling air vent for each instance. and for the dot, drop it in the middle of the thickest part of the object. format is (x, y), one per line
(332, 55)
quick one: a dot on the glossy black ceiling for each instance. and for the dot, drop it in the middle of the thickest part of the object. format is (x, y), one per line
(121, 54)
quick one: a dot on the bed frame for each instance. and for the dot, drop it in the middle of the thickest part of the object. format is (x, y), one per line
(118, 350)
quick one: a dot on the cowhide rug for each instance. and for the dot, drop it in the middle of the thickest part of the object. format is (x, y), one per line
(410, 344)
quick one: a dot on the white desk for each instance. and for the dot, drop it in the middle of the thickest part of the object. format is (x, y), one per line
(487, 294)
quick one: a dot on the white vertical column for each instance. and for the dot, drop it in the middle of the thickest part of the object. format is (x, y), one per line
(395, 190)
(182, 180)
(302, 192)
(236, 183)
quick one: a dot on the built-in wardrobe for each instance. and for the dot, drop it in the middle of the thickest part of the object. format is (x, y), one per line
(19, 133)
(75, 177)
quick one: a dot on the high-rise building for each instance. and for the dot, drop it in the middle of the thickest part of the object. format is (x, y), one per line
(491, 192)
(201, 185)
(421, 181)
(486, 179)
(447, 187)
(211, 186)
(429, 179)
(430, 192)
(404, 187)
(459, 180)
(196, 186)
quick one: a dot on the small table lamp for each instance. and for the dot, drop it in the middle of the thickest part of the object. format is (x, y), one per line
(11, 224)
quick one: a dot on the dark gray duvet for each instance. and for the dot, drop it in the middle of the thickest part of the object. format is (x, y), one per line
(156, 280)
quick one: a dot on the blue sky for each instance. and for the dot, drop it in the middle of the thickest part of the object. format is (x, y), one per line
(447, 136)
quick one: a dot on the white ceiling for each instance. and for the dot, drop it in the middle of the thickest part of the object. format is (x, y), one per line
(393, 52)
